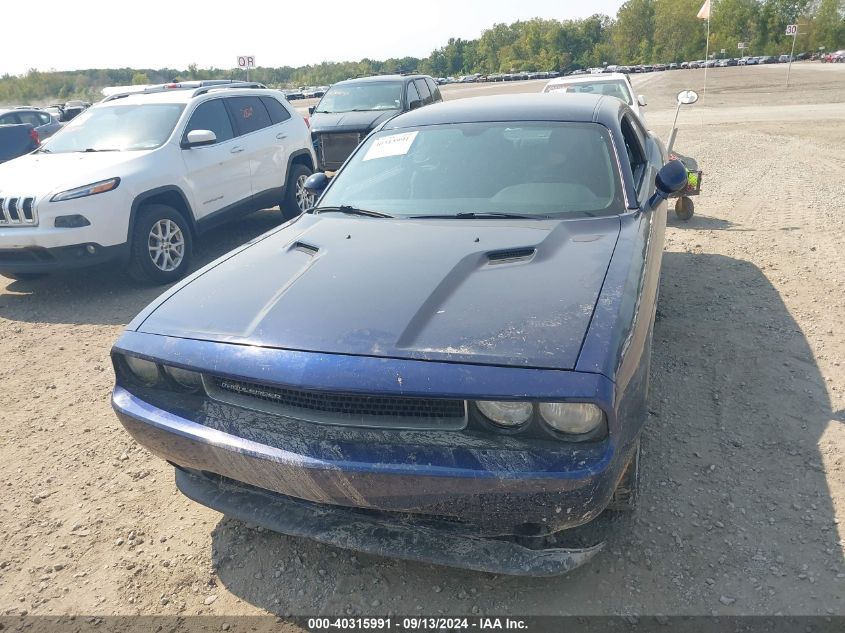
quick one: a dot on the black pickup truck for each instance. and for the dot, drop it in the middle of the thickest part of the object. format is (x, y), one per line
(17, 140)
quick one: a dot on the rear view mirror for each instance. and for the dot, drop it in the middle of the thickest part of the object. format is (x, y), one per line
(198, 138)
(311, 110)
(642, 100)
(687, 97)
(316, 183)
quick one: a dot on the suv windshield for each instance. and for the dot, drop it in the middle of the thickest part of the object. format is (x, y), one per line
(370, 95)
(117, 128)
(616, 89)
(538, 169)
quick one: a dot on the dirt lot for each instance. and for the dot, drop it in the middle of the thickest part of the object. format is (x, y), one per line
(743, 488)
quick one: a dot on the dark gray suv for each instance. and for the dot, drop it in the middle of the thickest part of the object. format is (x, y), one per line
(351, 109)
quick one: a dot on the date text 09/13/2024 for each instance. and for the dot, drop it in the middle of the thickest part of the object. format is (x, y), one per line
(415, 623)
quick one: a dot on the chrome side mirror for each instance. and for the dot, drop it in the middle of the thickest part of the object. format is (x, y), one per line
(687, 97)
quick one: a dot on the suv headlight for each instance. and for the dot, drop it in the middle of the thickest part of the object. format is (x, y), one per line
(572, 418)
(87, 190)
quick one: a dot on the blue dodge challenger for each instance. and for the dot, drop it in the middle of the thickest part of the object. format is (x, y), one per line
(445, 360)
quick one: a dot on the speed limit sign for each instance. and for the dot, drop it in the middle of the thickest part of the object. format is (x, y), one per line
(791, 29)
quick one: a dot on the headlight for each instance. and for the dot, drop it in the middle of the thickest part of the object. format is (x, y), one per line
(88, 190)
(145, 371)
(507, 414)
(573, 418)
(190, 380)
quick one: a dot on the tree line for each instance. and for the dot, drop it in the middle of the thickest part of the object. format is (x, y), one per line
(643, 31)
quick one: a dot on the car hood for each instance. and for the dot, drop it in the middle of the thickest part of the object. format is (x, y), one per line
(43, 174)
(503, 292)
(349, 121)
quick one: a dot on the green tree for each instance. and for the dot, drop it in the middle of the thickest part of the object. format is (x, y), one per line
(678, 34)
(140, 79)
(633, 34)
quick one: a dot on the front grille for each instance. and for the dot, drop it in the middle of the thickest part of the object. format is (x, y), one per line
(340, 408)
(336, 148)
(18, 212)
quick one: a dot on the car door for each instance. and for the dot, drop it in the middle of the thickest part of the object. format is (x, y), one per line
(258, 138)
(218, 175)
(282, 137)
(411, 95)
(435, 91)
(424, 90)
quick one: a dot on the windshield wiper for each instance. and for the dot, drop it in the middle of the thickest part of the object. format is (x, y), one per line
(471, 215)
(43, 150)
(91, 149)
(345, 208)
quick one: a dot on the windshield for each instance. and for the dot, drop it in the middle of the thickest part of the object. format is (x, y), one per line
(616, 89)
(539, 169)
(379, 95)
(117, 128)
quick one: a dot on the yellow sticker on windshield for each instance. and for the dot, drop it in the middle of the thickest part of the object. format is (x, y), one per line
(393, 145)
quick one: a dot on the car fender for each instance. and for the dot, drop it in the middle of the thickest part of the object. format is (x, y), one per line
(141, 198)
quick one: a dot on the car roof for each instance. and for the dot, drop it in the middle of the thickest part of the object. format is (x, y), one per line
(573, 79)
(183, 96)
(378, 78)
(519, 107)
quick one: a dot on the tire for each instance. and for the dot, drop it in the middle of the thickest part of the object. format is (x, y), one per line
(296, 200)
(24, 276)
(627, 490)
(157, 227)
(684, 208)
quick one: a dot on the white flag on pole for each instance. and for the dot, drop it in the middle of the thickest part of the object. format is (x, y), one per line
(704, 13)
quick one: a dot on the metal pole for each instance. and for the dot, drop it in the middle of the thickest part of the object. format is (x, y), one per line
(791, 55)
(706, 57)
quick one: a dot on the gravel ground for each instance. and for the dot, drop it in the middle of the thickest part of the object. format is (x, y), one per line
(743, 484)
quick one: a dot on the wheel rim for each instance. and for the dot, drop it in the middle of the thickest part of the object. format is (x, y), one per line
(304, 198)
(166, 245)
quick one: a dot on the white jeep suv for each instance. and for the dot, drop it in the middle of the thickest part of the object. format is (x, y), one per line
(139, 176)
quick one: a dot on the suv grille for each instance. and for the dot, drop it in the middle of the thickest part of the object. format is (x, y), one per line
(335, 148)
(18, 212)
(339, 408)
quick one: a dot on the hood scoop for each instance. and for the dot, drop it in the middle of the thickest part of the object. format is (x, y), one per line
(511, 255)
(303, 247)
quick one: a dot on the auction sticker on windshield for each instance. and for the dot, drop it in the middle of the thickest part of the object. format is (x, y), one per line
(393, 145)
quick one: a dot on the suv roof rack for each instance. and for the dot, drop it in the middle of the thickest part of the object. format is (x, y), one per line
(199, 87)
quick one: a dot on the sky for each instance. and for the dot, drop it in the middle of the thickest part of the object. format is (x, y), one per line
(175, 33)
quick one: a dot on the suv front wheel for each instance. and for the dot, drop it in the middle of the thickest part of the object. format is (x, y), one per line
(297, 199)
(161, 245)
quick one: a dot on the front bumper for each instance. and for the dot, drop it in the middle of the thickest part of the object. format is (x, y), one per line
(44, 260)
(372, 534)
(481, 486)
(36, 259)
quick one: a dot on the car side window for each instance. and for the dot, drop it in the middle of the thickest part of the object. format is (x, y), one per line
(249, 113)
(425, 93)
(278, 112)
(413, 93)
(30, 117)
(9, 119)
(634, 149)
(435, 91)
(211, 115)
(45, 118)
